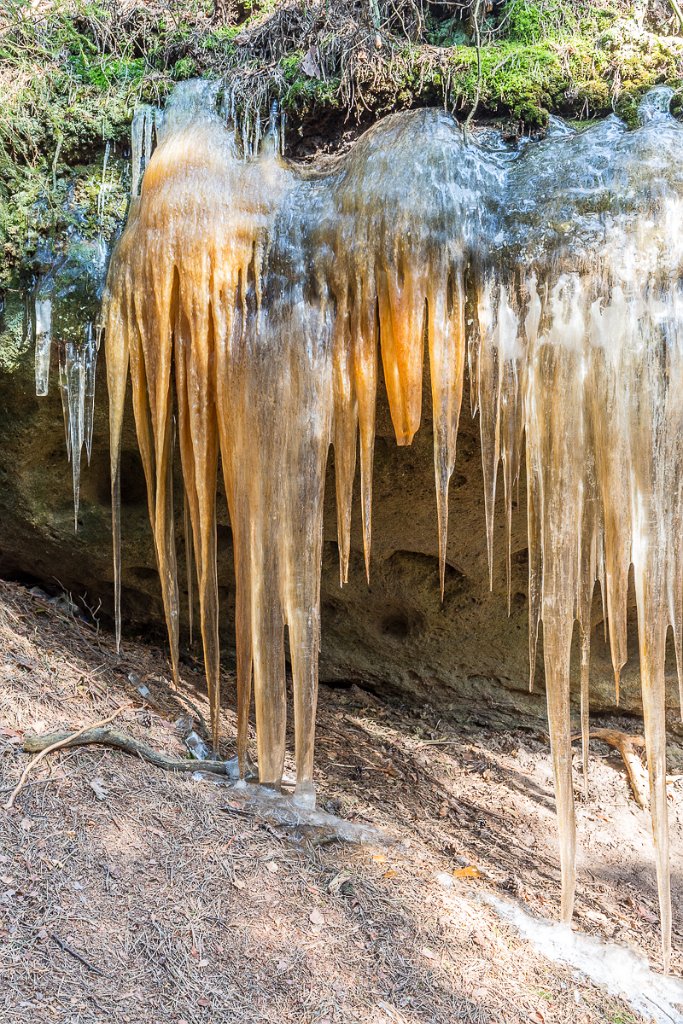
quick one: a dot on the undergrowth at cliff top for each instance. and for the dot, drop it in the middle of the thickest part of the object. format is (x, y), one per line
(71, 72)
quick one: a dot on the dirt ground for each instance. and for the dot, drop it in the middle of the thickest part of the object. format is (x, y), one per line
(130, 894)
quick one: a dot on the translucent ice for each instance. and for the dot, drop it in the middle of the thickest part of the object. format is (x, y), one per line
(618, 969)
(77, 370)
(146, 121)
(43, 336)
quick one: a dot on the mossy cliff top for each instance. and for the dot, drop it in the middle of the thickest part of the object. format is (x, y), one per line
(71, 71)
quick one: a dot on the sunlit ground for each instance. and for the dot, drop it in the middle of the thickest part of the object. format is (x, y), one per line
(131, 894)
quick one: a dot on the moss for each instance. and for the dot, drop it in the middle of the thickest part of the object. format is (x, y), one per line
(526, 21)
(14, 340)
(103, 71)
(305, 93)
(184, 68)
(446, 32)
(524, 80)
(71, 78)
(221, 40)
(530, 21)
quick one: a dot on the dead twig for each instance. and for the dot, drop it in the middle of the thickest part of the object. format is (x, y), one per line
(678, 12)
(76, 955)
(57, 740)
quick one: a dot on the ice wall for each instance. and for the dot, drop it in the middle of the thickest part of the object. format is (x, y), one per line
(252, 301)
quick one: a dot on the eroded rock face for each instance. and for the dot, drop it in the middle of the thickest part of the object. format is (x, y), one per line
(393, 633)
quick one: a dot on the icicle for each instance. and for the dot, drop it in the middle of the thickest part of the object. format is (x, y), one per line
(345, 436)
(90, 373)
(446, 337)
(585, 706)
(43, 336)
(77, 372)
(146, 120)
(273, 130)
(102, 194)
(189, 563)
(64, 395)
(498, 402)
(364, 354)
(118, 316)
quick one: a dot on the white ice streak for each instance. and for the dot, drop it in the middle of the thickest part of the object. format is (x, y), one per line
(621, 971)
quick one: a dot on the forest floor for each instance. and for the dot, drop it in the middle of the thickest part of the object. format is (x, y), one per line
(130, 894)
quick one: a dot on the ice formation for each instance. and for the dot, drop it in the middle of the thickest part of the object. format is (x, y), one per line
(146, 122)
(77, 372)
(252, 300)
(69, 290)
(43, 336)
(616, 968)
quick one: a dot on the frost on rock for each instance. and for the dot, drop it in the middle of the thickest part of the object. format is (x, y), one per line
(252, 302)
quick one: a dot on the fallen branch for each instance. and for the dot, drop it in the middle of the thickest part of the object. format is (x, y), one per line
(120, 741)
(55, 742)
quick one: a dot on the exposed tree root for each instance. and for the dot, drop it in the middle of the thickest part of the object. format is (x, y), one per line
(121, 741)
(628, 746)
(56, 741)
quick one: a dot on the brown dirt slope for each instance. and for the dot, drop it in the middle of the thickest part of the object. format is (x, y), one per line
(128, 894)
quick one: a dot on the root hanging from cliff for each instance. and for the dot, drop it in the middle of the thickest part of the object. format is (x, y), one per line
(252, 301)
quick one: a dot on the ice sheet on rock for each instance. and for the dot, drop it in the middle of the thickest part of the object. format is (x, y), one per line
(255, 301)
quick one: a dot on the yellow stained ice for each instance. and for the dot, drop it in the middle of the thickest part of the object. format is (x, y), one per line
(252, 302)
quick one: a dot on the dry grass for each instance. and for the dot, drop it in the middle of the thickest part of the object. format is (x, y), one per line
(184, 908)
